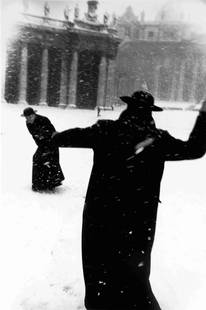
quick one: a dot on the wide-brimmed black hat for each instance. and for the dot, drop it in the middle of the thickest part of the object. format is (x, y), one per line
(28, 111)
(141, 99)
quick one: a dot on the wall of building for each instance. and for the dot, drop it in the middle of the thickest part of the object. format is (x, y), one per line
(167, 56)
(170, 70)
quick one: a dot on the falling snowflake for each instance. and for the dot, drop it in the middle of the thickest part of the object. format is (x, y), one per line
(141, 264)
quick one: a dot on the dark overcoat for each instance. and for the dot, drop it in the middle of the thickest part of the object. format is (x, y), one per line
(46, 171)
(121, 205)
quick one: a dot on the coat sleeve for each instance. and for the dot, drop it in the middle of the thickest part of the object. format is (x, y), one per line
(77, 137)
(193, 148)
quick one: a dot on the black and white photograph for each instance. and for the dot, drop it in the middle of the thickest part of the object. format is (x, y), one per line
(102, 153)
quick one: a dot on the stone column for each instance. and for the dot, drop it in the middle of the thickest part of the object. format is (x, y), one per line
(194, 81)
(73, 80)
(174, 82)
(102, 82)
(23, 74)
(110, 83)
(44, 77)
(181, 80)
(156, 80)
(63, 83)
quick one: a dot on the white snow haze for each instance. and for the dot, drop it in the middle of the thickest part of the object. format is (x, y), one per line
(41, 233)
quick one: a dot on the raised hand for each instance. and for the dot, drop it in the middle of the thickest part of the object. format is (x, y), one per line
(203, 107)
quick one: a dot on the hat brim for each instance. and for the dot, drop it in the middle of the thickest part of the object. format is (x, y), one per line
(130, 101)
(29, 114)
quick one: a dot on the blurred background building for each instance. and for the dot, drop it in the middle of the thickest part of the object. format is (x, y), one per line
(167, 56)
(67, 55)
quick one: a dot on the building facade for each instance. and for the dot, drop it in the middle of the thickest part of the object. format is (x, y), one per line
(165, 56)
(66, 59)
(62, 62)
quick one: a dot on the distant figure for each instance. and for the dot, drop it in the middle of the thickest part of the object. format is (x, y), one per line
(98, 111)
(120, 211)
(46, 172)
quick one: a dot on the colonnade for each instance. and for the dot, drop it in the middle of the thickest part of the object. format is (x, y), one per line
(184, 79)
(68, 78)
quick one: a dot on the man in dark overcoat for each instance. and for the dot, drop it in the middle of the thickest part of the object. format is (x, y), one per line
(120, 209)
(46, 171)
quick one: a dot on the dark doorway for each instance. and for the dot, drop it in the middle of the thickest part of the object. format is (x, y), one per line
(54, 76)
(34, 73)
(88, 71)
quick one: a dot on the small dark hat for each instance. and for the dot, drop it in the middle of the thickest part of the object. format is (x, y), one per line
(28, 111)
(141, 100)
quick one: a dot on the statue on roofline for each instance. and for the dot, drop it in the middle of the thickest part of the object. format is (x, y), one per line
(76, 12)
(114, 20)
(91, 13)
(106, 18)
(46, 9)
(66, 13)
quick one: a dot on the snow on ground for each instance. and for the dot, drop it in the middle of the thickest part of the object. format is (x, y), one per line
(40, 234)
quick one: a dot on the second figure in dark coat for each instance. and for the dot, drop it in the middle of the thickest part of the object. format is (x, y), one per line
(46, 170)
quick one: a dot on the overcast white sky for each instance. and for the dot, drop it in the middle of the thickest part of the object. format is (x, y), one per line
(151, 7)
(195, 8)
(118, 6)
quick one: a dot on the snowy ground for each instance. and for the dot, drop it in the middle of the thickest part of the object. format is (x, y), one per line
(40, 234)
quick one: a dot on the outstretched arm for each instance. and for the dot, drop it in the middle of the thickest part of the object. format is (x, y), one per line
(194, 147)
(76, 137)
(88, 137)
(203, 107)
